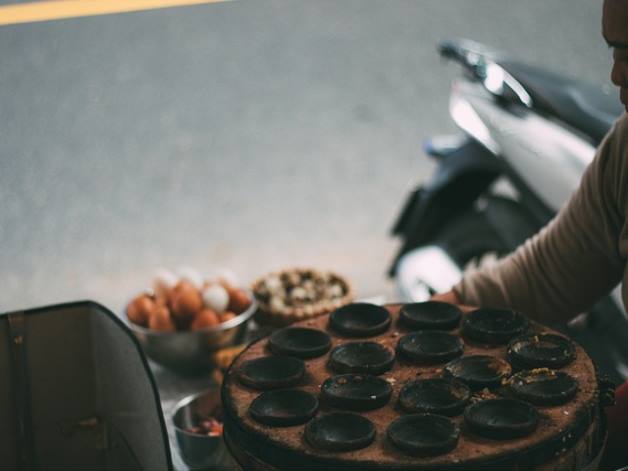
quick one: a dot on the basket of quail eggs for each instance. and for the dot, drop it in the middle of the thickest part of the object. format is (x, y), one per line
(186, 321)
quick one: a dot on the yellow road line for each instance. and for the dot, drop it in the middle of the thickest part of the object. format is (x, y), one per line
(61, 9)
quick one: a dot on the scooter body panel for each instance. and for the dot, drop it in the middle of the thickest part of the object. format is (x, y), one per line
(549, 157)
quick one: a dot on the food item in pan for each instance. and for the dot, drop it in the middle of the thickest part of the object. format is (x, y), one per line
(208, 425)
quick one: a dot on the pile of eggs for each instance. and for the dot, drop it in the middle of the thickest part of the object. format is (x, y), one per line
(187, 301)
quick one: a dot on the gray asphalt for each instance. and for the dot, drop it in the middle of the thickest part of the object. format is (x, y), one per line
(247, 135)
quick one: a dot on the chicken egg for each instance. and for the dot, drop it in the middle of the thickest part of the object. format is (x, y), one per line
(192, 276)
(206, 318)
(227, 316)
(140, 309)
(163, 282)
(239, 301)
(185, 302)
(216, 298)
(161, 320)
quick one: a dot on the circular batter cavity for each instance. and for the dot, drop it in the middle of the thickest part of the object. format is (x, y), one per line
(356, 392)
(501, 419)
(541, 351)
(360, 320)
(424, 434)
(430, 315)
(271, 372)
(478, 371)
(429, 347)
(361, 357)
(544, 387)
(300, 342)
(340, 431)
(493, 326)
(444, 396)
(283, 407)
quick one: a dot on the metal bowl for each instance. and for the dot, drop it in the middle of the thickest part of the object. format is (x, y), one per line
(196, 351)
(200, 451)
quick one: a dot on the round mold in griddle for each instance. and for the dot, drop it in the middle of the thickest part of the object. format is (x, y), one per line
(424, 434)
(283, 407)
(430, 315)
(493, 326)
(271, 372)
(444, 396)
(478, 371)
(541, 351)
(501, 419)
(300, 342)
(360, 320)
(429, 347)
(340, 431)
(357, 392)
(544, 387)
(361, 357)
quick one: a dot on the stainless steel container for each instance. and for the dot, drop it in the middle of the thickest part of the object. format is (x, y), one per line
(200, 451)
(197, 351)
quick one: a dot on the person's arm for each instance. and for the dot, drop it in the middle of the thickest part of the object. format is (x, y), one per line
(573, 261)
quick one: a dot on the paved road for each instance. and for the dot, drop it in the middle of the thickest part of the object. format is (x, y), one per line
(250, 135)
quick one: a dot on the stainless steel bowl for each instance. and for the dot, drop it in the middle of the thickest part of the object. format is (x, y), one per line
(198, 351)
(200, 451)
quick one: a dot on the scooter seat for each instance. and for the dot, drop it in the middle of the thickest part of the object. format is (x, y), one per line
(581, 105)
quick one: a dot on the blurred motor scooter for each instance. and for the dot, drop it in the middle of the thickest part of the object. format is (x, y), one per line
(527, 136)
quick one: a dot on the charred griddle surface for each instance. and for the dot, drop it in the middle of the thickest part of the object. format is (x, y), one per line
(340, 431)
(558, 429)
(430, 315)
(501, 419)
(541, 351)
(300, 342)
(442, 396)
(361, 357)
(478, 371)
(430, 347)
(359, 320)
(283, 407)
(271, 372)
(424, 434)
(493, 326)
(544, 387)
(356, 392)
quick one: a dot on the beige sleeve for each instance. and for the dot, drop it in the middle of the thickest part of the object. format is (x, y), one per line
(575, 259)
